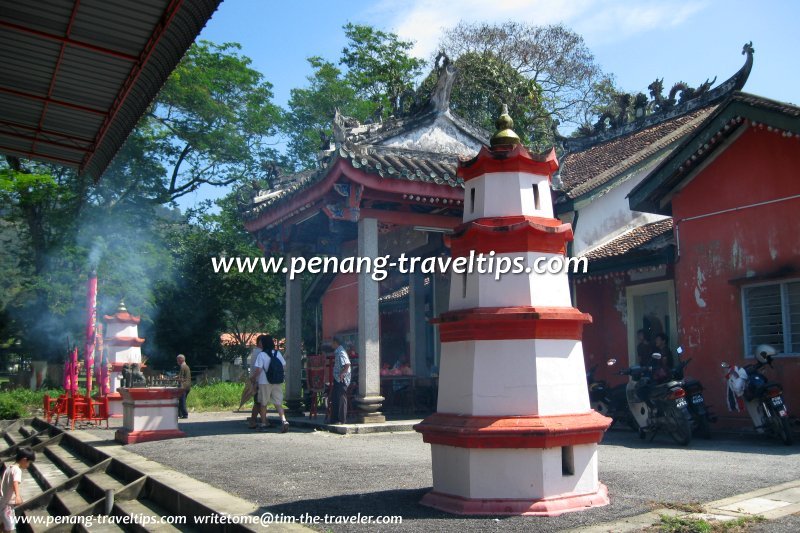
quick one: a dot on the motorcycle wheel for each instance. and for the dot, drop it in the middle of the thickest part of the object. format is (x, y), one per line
(780, 425)
(679, 428)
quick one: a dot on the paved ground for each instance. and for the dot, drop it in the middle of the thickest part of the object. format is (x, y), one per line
(320, 473)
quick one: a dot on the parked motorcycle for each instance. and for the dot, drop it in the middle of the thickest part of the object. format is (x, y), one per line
(656, 406)
(609, 401)
(701, 415)
(762, 398)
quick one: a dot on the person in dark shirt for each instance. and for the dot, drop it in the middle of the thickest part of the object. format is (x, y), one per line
(643, 349)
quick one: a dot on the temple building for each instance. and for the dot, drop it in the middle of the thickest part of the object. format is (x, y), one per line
(383, 188)
(682, 203)
(683, 241)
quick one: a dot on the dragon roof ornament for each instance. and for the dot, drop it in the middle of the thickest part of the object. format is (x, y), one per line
(636, 112)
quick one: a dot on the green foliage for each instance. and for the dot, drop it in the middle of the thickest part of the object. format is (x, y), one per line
(555, 58)
(485, 82)
(379, 66)
(215, 396)
(23, 402)
(312, 110)
(210, 124)
(10, 408)
(196, 306)
(378, 69)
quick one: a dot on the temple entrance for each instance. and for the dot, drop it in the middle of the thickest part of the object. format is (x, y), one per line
(651, 307)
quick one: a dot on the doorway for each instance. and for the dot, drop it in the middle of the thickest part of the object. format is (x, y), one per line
(651, 307)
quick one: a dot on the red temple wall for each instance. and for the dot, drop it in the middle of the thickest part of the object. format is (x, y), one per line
(606, 336)
(340, 306)
(760, 166)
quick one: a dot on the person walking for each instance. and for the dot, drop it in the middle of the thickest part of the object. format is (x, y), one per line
(341, 381)
(253, 420)
(185, 383)
(9, 486)
(269, 372)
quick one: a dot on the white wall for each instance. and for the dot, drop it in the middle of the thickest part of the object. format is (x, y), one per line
(610, 215)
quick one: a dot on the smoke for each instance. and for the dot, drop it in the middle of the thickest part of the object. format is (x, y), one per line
(96, 252)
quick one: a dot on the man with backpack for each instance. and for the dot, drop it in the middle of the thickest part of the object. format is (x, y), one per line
(269, 374)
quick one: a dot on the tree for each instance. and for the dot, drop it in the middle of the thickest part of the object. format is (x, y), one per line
(197, 305)
(379, 65)
(378, 70)
(483, 84)
(555, 58)
(312, 110)
(210, 124)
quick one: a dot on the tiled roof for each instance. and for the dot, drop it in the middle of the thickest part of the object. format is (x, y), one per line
(386, 162)
(627, 242)
(582, 172)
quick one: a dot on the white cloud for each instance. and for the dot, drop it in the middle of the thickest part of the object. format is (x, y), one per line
(599, 21)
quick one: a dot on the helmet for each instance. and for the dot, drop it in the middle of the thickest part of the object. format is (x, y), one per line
(764, 352)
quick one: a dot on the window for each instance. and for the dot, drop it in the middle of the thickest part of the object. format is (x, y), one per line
(472, 200)
(536, 196)
(772, 316)
(567, 461)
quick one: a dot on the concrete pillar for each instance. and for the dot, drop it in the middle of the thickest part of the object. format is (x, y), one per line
(369, 400)
(417, 325)
(294, 355)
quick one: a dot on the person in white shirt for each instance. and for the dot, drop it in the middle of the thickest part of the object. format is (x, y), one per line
(9, 487)
(269, 391)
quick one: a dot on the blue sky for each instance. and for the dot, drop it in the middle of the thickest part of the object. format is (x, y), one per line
(638, 41)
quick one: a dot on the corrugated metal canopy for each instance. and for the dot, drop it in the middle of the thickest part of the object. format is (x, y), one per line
(76, 75)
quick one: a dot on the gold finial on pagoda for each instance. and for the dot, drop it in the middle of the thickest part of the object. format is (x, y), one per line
(504, 136)
(121, 307)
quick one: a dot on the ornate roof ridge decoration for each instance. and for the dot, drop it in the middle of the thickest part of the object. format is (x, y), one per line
(375, 130)
(663, 108)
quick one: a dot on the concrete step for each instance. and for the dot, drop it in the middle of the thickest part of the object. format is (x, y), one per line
(150, 514)
(49, 474)
(35, 527)
(96, 484)
(66, 460)
(29, 488)
(72, 501)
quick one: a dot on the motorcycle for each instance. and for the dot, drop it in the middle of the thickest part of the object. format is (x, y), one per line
(762, 398)
(701, 415)
(609, 401)
(658, 405)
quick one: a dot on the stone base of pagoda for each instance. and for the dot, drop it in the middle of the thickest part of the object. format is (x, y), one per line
(553, 506)
(515, 465)
(115, 405)
(149, 414)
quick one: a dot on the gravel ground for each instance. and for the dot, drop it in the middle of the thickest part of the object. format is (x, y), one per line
(319, 473)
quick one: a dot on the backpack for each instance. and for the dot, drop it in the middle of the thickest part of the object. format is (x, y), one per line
(274, 369)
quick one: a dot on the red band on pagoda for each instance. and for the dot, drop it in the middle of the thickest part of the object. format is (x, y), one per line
(464, 431)
(125, 341)
(499, 323)
(511, 234)
(519, 159)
